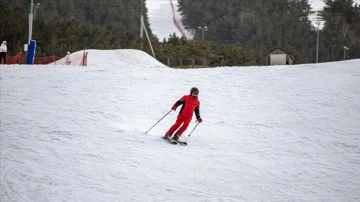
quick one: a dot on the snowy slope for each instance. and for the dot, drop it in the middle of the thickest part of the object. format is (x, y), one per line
(161, 17)
(280, 133)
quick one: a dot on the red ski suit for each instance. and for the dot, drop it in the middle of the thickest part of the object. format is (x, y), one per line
(190, 105)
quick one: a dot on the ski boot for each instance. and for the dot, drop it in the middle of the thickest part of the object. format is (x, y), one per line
(166, 136)
(175, 137)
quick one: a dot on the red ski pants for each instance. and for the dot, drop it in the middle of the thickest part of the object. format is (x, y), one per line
(180, 120)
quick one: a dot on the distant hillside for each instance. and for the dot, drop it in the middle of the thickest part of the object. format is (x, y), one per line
(237, 32)
(70, 25)
(276, 23)
(118, 15)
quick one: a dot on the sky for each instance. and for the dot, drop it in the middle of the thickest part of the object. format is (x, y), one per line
(161, 16)
(270, 133)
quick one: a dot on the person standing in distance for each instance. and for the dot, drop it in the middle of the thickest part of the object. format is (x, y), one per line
(68, 59)
(3, 50)
(190, 104)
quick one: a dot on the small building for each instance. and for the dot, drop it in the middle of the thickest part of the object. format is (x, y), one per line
(279, 57)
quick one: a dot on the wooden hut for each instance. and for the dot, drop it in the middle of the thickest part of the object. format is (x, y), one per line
(279, 57)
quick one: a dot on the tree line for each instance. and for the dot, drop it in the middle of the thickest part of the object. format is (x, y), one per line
(277, 24)
(239, 32)
(341, 30)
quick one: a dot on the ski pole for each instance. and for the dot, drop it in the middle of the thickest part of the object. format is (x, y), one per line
(194, 128)
(158, 122)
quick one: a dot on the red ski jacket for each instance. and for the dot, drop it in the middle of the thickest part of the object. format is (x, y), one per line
(190, 105)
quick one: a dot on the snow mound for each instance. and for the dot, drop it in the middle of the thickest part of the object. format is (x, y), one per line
(113, 58)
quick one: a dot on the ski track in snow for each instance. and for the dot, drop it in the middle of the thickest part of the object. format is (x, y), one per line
(282, 133)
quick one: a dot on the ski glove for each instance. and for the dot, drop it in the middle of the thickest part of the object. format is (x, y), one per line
(173, 108)
(199, 120)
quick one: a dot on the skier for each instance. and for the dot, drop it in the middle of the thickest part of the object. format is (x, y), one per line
(190, 104)
(3, 50)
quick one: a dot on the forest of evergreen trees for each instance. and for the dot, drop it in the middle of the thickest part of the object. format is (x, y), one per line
(278, 24)
(238, 32)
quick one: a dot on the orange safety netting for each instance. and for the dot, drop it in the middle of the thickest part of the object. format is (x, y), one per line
(20, 58)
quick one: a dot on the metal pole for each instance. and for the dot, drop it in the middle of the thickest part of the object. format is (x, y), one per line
(157, 122)
(202, 32)
(36, 7)
(317, 43)
(345, 49)
(203, 29)
(147, 36)
(31, 18)
(193, 129)
(141, 19)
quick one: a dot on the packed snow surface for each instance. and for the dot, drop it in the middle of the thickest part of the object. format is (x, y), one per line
(274, 133)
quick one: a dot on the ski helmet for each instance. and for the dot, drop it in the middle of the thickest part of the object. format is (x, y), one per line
(194, 89)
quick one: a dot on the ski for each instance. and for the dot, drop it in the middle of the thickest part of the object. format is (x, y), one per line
(171, 141)
(181, 143)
